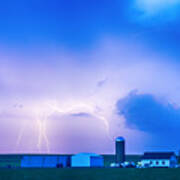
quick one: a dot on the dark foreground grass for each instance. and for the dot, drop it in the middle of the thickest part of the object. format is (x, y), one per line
(89, 174)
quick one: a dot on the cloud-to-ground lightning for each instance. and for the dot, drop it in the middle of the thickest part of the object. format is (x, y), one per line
(42, 136)
(43, 115)
(20, 135)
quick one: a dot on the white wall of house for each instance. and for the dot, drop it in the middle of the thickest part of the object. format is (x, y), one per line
(156, 162)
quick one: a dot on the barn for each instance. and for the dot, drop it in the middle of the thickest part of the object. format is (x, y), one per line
(44, 161)
(87, 160)
(10, 161)
(159, 159)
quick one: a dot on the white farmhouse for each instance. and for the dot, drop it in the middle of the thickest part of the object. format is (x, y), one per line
(159, 159)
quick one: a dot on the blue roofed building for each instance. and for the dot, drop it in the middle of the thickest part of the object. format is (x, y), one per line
(87, 160)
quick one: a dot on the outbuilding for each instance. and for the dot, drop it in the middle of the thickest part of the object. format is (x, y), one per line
(87, 160)
(159, 159)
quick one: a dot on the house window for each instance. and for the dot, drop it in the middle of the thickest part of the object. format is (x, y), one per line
(150, 162)
(163, 163)
(157, 162)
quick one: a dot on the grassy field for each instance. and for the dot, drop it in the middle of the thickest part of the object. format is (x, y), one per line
(89, 174)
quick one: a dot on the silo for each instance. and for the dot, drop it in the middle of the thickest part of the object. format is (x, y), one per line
(120, 150)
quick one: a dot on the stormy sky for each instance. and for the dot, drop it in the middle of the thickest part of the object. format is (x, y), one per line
(76, 74)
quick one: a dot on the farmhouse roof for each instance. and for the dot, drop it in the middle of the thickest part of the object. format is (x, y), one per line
(158, 155)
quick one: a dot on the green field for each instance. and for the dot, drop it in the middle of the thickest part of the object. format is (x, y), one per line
(89, 174)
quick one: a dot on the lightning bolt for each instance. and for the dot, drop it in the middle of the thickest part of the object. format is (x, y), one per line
(39, 125)
(106, 124)
(20, 135)
(42, 118)
(89, 109)
(42, 130)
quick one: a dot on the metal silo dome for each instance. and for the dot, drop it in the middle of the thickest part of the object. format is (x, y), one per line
(120, 139)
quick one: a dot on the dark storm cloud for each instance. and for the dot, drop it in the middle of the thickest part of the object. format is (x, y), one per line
(102, 82)
(145, 113)
(18, 105)
(80, 114)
